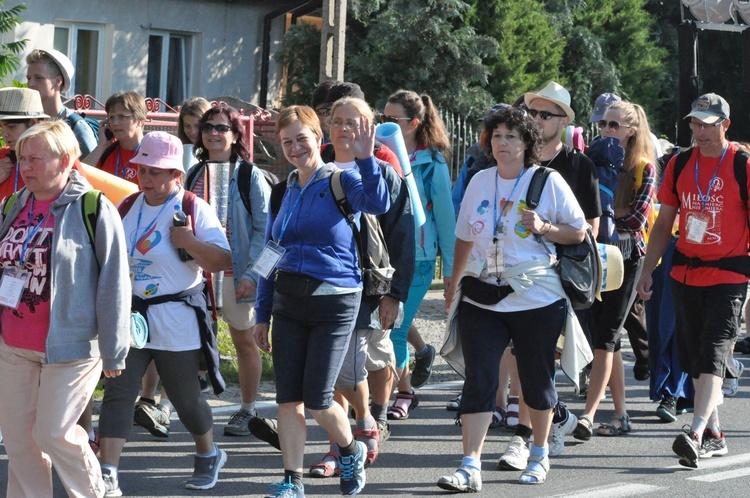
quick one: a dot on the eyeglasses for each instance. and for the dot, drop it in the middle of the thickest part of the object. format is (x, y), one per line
(209, 128)
(613, 125)
(323, 111)
(703, 126)
(348, 124)
(392, 119)
(545, 115)
(118, 117)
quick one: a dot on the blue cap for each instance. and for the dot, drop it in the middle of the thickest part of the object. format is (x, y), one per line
(602, 102)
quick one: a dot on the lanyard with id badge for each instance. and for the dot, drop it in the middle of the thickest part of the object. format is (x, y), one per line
(271, 255)
(495, 260)
(14, 279)
(697, 225)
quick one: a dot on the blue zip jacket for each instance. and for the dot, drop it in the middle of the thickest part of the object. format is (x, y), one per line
(434, 186)
(318, 241)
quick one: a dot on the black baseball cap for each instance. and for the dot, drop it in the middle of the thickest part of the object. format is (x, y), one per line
(341, 90)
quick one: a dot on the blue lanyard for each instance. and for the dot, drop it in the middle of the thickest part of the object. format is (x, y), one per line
(15, 181)
(140, 213)
(704, 197)
(30, 236)
(495, 217)
(117, 164)
(288, 214)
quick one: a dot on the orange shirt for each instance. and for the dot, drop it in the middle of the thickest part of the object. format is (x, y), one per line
(118, 164)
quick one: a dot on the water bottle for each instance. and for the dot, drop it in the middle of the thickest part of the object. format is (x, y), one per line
(180, 220)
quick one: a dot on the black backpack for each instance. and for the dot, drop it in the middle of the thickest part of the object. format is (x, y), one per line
(577, 264)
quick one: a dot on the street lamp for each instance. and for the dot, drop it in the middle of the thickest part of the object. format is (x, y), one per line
(716, 11)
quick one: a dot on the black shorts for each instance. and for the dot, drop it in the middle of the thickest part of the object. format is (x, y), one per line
(708, 322)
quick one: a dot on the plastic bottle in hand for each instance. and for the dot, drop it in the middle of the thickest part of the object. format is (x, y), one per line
(180, 220)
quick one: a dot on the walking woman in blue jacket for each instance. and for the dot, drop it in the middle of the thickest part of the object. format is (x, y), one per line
(426, 141)
(311, 284)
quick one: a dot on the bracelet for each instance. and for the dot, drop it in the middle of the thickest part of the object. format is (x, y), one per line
(548, 224)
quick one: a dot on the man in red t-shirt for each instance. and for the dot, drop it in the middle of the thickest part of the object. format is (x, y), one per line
(713, 228)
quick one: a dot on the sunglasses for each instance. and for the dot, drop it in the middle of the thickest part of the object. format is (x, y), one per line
(392, 119)
(613, 125)
(703, 126)
(544, 115)
(221, 129)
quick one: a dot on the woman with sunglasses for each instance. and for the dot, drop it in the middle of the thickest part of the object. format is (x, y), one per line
(633, 200)
(426, 141)
(509, 290)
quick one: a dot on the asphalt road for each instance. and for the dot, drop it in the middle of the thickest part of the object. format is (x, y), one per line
(428, 445)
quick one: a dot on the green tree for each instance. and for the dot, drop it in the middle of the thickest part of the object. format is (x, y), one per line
(300, 55)
(9, 20)
(530, 48)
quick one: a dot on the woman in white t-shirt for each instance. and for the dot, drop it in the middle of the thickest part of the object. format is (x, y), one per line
(496, 246)
(168, 291)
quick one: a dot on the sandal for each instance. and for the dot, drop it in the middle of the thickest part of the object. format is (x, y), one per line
(535, 475)
(400, 408)
(612, 429)
(371, 438)
(584, 430)
(328, 467)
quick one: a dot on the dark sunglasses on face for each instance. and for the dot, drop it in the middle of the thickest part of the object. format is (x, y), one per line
(613, 125)
(544, 115)
(392, 119)
(221, 129)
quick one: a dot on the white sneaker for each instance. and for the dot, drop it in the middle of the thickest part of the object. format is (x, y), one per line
(516, 455)
(557, 433)
(730, 386)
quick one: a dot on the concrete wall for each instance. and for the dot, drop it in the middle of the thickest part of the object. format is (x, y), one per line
(226, 41)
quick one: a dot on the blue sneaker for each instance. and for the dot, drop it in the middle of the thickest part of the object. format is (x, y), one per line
(286, 489)
(353, 471)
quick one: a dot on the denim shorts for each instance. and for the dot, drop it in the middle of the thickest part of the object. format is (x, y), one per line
(310, 337)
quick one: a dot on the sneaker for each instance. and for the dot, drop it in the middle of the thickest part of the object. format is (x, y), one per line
(385, 431)
(203, 382)
(206, 470)
(743, 346)
(422, 368)
(238, 424)
(454, 404)
(353, 471)
(286, 490)
(667, 410)
(516, 455)
(154, 419)
(713, 445)
(730, 386)
(498, 418)
(266, 430)
(684, 406)
(463, 480)
(687, 447)
(558, 431)
(111, 483)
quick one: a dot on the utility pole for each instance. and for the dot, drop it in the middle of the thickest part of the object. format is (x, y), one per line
(333, 40)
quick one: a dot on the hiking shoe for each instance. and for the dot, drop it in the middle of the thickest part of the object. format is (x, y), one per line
(558, 431)
(353, 471)
(713, 445)
(286, 489)
(385, 431)
(111, 483)
(454, 404)
(516, 455)
(206, 470)
(686, 446)
(238, 424)
(498, 418)
(463, 480)
(153, 418)
(266, 430)
(667, 410)
(422, 368)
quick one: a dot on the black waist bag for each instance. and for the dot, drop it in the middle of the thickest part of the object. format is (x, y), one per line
(295, 284)
(482, 292)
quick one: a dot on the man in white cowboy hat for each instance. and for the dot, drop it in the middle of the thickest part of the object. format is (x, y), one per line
(20, 109)
(710, 266)
(49, 73)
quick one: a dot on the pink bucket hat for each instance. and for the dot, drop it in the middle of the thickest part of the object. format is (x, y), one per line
(160, 149)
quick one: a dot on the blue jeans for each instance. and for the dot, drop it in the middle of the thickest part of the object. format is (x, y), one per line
(310, 338)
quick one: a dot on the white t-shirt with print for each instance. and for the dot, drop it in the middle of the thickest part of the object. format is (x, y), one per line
(475, 224)
(158, 271)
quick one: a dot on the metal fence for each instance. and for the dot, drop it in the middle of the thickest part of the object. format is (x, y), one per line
(463, 134)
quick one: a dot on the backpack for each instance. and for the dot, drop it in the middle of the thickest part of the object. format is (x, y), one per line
(74, 118)
(578, 264)
(244, 176)
(90, 209)
(607, 156)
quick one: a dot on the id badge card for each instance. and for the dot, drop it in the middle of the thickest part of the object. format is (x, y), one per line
(495, 264)
(268, 259)
(11, 286)
(696, 228)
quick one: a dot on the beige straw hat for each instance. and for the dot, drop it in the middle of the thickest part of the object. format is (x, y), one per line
(20, 104)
